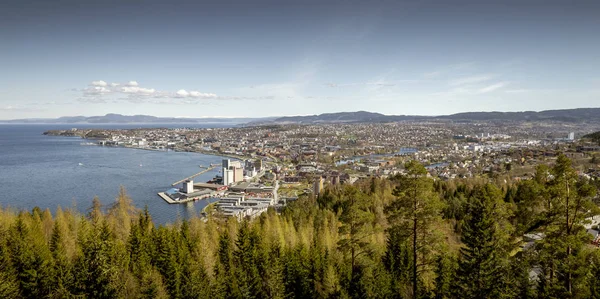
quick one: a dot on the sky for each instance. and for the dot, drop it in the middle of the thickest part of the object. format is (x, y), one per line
(276, 58)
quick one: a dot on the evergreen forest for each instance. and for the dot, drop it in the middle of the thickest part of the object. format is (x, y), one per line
(406, 236)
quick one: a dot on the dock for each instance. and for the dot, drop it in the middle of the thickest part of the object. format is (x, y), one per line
(212, 166)
(169, 200)
(166, 198)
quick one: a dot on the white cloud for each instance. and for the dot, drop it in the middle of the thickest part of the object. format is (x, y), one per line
(492, 87)
(99, 83)
(137, 90)
(182, 93)
(135, 93)
(197, 94)
(96, 90)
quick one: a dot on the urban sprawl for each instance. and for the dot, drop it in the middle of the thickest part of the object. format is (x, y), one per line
(271, 164)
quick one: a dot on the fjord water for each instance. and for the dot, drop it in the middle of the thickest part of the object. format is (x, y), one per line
(50, 171)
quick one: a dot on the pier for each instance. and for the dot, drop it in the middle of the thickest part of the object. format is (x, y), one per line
(211, 167)
(170, 200)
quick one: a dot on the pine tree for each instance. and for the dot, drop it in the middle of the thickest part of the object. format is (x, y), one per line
(274, 285)
(31, 259)
(246, 261)
(140, 245)
(356, 228)
(152, 286)
(224, 280)
(96, 267)
(398, 261)
(414, 213)
(560, 253)
(9, 286)
(445, 272)
(296, 273)
(62, 265)
(483, 259)
(166, 260)
(120, 214)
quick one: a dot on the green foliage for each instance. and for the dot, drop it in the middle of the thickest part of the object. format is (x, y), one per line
(561, 255)
(404, 237)
(484, 258)
(414, 215)
(357, 226)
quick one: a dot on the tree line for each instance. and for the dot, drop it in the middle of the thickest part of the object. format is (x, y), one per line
(408, 236)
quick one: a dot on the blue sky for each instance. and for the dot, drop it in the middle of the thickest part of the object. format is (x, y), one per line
(236, 58)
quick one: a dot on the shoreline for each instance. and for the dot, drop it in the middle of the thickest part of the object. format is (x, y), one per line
(203, 152)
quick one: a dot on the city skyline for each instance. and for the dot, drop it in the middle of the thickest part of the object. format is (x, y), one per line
(239, 59)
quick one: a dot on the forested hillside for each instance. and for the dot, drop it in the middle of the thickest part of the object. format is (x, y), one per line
(404, 237)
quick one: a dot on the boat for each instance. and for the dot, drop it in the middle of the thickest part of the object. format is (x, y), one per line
(80, 164)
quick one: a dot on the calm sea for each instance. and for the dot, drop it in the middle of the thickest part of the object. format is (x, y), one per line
(45, 171)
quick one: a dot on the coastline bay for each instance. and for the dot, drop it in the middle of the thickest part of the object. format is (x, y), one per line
(52, 171)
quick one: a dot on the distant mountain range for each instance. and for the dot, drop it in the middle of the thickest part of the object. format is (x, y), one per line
(132, 119)
(564, 115)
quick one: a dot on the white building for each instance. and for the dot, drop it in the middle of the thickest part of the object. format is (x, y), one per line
(188, 187)
(228, 178)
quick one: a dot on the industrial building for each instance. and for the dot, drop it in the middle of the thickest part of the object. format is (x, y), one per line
(233, 172)
(191, 192)
(240, 208)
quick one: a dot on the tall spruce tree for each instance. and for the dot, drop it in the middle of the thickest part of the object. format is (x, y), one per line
(397, 260)
(414, 214)
(356, 228)
(63, 268)
(483, 261)
(247, 261)
(561, 254)
(9, 286)
(31, 258)
(224, 280)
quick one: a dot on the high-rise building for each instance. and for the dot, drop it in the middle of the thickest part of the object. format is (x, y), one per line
(572, 136)
(226, 163)
(228, 178)
(236, 164)
(232, 172)
(238, 174)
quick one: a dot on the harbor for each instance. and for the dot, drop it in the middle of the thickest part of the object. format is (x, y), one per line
(234, 192)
